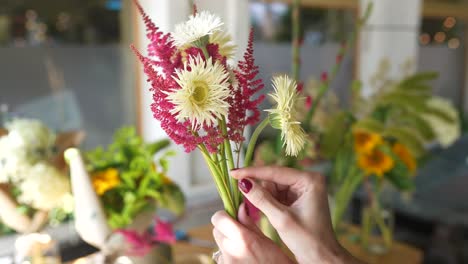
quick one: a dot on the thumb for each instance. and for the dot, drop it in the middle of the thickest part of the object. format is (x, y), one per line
(262, 199)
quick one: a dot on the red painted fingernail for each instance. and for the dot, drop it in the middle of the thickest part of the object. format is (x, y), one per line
(247, 210)
(245, 185)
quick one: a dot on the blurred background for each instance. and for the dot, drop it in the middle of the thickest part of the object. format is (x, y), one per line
(68, 64)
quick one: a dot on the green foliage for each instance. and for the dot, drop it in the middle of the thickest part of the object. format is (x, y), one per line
(332, 139)
(407, 138)
(143, 184)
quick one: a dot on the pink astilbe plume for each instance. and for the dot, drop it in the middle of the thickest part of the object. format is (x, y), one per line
(179, 132)
(243, 109)
(159, 66)
(161, 46)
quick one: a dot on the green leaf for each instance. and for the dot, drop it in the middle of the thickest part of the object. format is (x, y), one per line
(417, 123)
(164, 164)
(334, 135)
(418, 78)
(174, 199)
(401, 99)
(400, 177)
(369, 124)
(407, 138)
(157, 146)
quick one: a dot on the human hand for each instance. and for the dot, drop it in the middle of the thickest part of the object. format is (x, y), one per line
(243, 242)
(296, 204)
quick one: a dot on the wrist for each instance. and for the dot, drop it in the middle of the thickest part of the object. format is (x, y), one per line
(331, 252)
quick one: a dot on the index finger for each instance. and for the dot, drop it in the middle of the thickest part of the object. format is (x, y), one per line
(279, 175)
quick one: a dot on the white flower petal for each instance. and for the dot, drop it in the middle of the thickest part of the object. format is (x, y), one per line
(197, 26)
(282, 117)
(203, 105)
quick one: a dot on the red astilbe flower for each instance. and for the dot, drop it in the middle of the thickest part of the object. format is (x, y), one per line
(161, 46)
(179, 132)
(243, 109)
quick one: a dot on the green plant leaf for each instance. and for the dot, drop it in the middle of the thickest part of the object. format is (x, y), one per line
(408, 138)
(400, 177)
(333, 136)
(157, 146)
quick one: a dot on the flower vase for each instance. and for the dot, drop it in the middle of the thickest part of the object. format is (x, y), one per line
(90, 219)
(376, 229)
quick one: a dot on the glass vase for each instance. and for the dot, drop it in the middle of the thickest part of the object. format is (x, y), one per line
(377, 229)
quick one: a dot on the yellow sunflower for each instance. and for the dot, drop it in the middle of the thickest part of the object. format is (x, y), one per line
(375, 162)
(405, 155)
(104, 181)
(365, 142)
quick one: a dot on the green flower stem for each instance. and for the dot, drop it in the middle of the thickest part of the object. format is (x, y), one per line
(325, 84)
(296, 46)
(344, 194)
(253, 141)
(384, 229)
(205, 51)
(228, 156)
(219, 165)
(220, 184)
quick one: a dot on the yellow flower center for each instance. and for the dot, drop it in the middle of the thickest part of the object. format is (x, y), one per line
(200, 92)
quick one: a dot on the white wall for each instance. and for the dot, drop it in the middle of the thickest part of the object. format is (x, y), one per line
(391, 33)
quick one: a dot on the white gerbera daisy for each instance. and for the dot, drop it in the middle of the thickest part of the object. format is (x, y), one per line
(282, 117)
(197, 27)
(204, 88)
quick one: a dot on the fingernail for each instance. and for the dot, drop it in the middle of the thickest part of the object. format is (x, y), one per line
(245, 185)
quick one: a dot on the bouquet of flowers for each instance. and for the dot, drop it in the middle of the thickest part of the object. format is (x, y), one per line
(117, 192)
(34, 184)
(380, 138)
(128, 181)
(205, 101)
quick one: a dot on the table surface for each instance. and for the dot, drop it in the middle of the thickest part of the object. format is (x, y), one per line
(399, 253)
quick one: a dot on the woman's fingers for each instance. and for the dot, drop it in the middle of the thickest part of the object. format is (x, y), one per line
(262, 199)
(245, 219)
(228, 226)
(279, 175)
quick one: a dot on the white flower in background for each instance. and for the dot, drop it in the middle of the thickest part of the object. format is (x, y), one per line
(27, 142)
(44, 188)
(13, 161)
(283, 116)
(203, 92)
(226, 46)
(198, 26)
(31, 136)
(446, 132)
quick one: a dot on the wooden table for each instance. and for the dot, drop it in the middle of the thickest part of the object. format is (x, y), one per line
(399, 253)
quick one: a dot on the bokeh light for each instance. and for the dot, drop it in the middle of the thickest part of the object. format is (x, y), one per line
(424, 38)
(454, 43)
(450, 22)
(440, 37)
